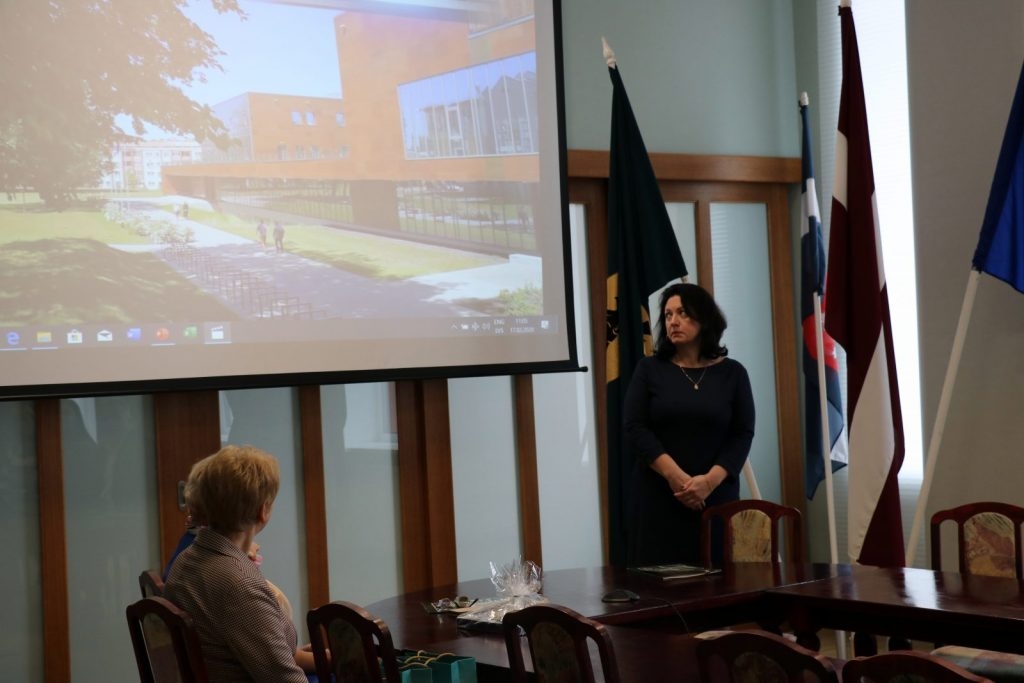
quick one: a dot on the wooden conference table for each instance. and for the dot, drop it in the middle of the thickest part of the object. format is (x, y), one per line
(651, 636)
(919, 604)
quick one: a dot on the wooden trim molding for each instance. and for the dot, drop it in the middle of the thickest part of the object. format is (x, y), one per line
(526, 460)
(787, 369)
(591, 163)
(186, 427)
(52, 541)
(427, 505)
(314, 495)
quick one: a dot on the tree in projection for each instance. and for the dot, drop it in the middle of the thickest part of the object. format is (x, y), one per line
(70, 70)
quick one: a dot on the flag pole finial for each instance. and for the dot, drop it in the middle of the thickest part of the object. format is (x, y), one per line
(609, 55)
(804, 99)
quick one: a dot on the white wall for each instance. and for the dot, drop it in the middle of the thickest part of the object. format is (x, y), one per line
(963, 60)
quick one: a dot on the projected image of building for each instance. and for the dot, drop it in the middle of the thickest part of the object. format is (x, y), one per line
(272, 127)
(139, 165)
(435, 138)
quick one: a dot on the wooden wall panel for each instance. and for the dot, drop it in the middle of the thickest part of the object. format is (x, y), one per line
(52, 542)
(427, 505)
(186, 428)
(526, 461)
(314, 496)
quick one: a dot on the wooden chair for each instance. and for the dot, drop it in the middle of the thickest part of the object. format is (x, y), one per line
(752, 529)
(905, 665)
(359, 644)
(165, 642)
(559, 641)
(988, 538)
(151, 584)
(740, 656)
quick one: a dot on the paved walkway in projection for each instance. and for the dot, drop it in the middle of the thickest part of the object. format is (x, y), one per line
(332, 292)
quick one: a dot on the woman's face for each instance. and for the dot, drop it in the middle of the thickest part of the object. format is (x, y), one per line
(680, 328)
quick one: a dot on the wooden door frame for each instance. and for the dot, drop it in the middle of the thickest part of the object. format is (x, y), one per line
(701, 180)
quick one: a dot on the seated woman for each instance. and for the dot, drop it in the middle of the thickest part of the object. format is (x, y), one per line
(245, 634)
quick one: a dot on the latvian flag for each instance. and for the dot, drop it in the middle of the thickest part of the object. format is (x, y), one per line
(858, 319)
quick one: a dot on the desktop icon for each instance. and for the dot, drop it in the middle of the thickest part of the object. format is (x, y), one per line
(163, 334)
(13, 338)
(190, 332)
(44, 337)
(74, 337)
(104, 336)
(134, 333)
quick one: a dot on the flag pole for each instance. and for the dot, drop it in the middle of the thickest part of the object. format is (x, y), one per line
(826, 446)
(940, 418)
(748, 474)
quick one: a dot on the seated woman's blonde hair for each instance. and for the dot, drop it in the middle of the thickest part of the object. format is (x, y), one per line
(226, 490)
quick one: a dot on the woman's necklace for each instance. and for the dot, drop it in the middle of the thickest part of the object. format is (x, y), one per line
(695, 383)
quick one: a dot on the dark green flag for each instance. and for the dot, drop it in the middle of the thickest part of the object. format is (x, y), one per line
(643, 256)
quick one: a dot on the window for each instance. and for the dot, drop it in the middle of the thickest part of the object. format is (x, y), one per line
(310, 119)
(300, 152)
(487, 109)
(297, 118)
(339, 119)
(881, 41)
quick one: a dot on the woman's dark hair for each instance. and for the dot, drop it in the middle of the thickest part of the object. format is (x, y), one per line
(699, 305)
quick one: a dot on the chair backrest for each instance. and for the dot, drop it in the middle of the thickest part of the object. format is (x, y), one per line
(740, 656)
(165, 642)
(559, 641)
(151, 584)
(903, 665)
(988, 538)
(359, 643)
(752, 531)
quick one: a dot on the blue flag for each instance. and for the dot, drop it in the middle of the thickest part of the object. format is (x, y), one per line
(812, 265)
(1000, 251)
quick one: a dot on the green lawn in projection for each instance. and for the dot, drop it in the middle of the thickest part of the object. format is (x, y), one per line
(56, 267)
(66, 267)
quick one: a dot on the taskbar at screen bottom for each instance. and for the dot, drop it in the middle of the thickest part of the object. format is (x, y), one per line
(54, 337)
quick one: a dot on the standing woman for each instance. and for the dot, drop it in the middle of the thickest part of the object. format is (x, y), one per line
(689, 418)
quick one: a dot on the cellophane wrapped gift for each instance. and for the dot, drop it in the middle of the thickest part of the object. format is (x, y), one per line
(518, 585)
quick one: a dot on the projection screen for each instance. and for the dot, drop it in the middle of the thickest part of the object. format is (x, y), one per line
(233, 193)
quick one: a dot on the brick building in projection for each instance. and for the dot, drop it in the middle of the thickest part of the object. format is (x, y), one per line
(434, 138)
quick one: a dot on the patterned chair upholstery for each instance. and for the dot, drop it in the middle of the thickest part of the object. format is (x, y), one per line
(907, 666)
(759, 657)
(999, 667)
(360, 646)
(988, 538)
(988, 544)
(559, 640)
(165, 642)
(752, 531)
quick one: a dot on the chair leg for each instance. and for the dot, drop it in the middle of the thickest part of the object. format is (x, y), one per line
(864, 644)
(899, 643)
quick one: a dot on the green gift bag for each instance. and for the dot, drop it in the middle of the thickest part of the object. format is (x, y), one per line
(429, 667)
